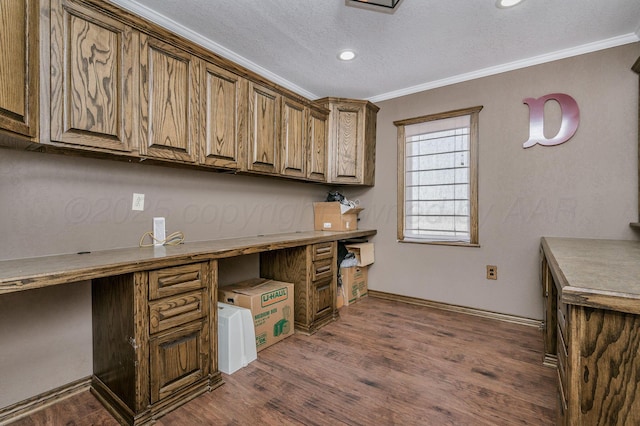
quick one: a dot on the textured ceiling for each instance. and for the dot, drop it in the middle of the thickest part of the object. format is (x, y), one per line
(423, 44)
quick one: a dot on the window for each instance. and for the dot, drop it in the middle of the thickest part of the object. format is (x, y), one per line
(438, 178)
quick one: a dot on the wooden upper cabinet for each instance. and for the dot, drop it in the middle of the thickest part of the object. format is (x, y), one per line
(169, 85)
(352, 140)
(317, 145)
(293, 139)
(223, 115)
(264, 123)
(93, 78)
(19, 67)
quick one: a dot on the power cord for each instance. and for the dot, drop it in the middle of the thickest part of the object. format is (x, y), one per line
(173, 239)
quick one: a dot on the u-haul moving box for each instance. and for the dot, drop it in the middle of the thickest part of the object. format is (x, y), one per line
(354, 284)
(271, 305)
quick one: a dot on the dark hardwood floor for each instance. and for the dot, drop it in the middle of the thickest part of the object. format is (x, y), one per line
(381, 363)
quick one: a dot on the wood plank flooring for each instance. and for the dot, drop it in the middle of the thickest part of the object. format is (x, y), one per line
(381, 363)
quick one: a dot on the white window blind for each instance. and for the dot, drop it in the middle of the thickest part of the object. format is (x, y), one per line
(437, 180)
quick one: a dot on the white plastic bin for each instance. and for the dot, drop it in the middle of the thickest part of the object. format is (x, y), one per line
(236, 338)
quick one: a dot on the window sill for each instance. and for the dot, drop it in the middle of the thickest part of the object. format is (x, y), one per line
(441, 243)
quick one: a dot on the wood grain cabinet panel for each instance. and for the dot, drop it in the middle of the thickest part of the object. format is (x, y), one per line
(223, 114)
(120, 344)
(175, 280)
(322, 299)
(293, 139)
(315, 281)
(179, 358)
(352, 140)
(93, 84)
(318, 127)
(264, 125)
(19, 65)
(176, 310)
(169, 86)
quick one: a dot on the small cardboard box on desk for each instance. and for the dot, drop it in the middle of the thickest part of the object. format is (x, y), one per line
(335, 216)
(354, 279)
(271, 305)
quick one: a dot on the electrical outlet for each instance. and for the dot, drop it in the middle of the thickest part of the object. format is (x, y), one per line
(138, 202)
(492, 272)
(159, 232)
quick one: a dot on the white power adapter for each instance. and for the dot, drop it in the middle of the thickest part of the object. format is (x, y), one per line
(159, 232)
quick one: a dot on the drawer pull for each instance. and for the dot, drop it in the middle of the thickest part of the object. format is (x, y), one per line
(323, 269)
(168, 313)
(179, 279)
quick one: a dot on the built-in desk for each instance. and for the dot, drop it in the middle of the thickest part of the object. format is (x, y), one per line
(154, 310)
(592, 328)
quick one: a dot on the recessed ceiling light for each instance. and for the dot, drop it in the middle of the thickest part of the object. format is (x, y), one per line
(503, 4)
(347, 55)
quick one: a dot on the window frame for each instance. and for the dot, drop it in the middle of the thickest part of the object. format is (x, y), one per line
(473, 114)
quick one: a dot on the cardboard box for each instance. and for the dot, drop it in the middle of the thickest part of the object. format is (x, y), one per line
(334, 216)
(271, 305)
(354, 284)
(363, 251)
(340, 298)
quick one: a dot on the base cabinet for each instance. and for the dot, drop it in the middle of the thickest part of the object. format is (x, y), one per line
(152, 342)
(312, 270)
(596, 351)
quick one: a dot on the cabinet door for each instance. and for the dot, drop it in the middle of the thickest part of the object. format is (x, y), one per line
(322, 299)
(293, 139)
(264, 119)
(317, 147)
(93, 88)
(223, 113)
(348, 137)
(19, 66)
(169, 80)
(178, 358)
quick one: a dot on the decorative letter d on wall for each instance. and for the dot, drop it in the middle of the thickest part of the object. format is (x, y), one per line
(568, 126)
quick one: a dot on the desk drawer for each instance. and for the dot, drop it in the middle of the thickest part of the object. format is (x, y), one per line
(170, 281)
(322, 251)
(322, 269)
(176, 310)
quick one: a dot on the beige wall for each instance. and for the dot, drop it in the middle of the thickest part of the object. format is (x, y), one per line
(51, 204)
(586, 187)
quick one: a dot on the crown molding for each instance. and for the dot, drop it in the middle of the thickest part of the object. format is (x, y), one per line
(511, 66)
(197, 38)
(216, 48)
